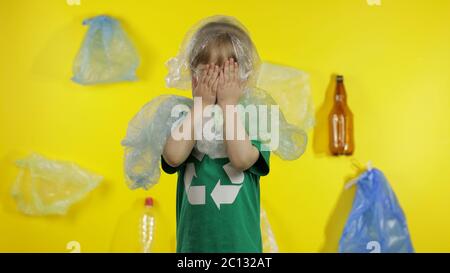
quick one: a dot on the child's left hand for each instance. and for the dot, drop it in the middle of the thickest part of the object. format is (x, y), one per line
(230, 87)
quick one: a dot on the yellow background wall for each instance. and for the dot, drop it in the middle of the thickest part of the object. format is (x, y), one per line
(396, 60)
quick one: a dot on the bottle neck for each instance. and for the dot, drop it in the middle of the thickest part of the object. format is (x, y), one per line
(340, 95)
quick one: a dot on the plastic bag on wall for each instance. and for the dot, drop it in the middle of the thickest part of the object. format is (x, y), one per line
(46, 187)
(106, 55)
(376, 222)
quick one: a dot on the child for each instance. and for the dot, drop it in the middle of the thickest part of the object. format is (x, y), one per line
(218, 207)
(218, 199)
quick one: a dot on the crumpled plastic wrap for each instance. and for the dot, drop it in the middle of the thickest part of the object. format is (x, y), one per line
(290, 89)
(146, 136)
(106, 55)
(266, 84)
(268, 239)
(49, 187)
(199, 37)
(292, 139)
(148, 132)
(376, 223)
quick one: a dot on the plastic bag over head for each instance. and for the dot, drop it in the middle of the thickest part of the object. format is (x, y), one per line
(224, 33)
(46, 187)
(376, 222)
(106, 55)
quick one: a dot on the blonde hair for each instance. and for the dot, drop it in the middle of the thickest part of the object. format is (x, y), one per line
(220, 41)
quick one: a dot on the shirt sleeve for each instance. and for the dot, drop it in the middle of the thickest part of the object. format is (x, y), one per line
(167, 168)
(261, 166)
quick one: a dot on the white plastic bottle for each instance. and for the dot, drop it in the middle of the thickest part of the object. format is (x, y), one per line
(147, 226)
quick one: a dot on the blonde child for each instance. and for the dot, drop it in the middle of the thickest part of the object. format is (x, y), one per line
(218, 199)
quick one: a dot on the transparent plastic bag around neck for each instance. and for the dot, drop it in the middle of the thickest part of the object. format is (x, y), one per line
(106, 54)
(146, 136)
(149, 129)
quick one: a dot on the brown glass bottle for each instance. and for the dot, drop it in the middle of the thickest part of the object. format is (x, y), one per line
(341, 122)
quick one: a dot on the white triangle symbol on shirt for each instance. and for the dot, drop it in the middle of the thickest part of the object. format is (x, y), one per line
(195, 194)
(224, 194)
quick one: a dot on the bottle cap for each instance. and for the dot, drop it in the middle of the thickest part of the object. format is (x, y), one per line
(148, 202)
(339, 78)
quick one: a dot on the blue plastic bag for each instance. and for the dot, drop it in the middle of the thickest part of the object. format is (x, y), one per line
(376, 222)
(106, 55)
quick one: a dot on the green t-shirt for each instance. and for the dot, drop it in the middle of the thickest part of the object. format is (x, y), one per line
(217, 206)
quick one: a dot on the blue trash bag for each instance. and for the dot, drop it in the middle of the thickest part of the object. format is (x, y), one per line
(376, 222)
(106, 55)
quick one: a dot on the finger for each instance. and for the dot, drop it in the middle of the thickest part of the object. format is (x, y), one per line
(205, 73)
(236, 71)
(209, 73)
(226, 70)
(214, 75)
(221, 77)
(231, 69)
(215, 85)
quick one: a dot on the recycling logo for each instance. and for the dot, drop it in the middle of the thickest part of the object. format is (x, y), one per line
(221, 194)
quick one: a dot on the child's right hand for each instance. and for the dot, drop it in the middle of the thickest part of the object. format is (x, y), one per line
(205, 86)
